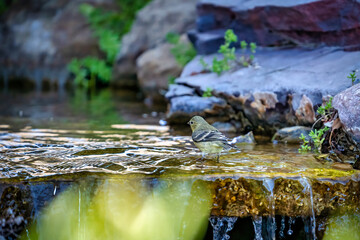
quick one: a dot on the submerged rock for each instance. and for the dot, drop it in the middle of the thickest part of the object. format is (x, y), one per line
(283, 89)
(244, 139)
(291, 134)
(276, 23)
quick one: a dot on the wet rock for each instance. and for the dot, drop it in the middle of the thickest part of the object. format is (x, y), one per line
(247, 138)
(347, 104)
(15, 211)
(288, 197)
(152, 24)
(155, 67)
(183, 108)
(179, 90)
(276, 23)
(282, 90)
(291, 134)
(39, 38)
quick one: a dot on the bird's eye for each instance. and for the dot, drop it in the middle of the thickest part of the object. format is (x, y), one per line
(191, 122)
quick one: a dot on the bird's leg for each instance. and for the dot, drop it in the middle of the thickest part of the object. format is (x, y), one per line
(218, 156)
(202, 157)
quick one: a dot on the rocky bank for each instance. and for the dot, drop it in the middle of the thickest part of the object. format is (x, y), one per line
(307, 50)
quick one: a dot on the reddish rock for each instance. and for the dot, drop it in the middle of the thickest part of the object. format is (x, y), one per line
(277, 23)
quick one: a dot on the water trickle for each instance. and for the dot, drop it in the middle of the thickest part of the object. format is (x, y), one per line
(291, 222)
(307, 188)
(257, 222)
(282, 227)
(271, 226)
(306, 227)
(221, 226)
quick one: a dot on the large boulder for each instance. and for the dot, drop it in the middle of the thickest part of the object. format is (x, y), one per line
(39, 38)
(155, 67)
(152, 24)
(347, 103)
(278, 23)
(284, 89)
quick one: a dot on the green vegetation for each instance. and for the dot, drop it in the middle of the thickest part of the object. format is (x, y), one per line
(305, 147)
(182, 52)
(207, 92)
(315, 142)
(323, 110)
(228, 53)
(317, 136)
(352, 76)
(88, 70)
(108, 27)
(99, 107)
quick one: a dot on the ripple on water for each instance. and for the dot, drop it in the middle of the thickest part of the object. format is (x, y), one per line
(148, 150)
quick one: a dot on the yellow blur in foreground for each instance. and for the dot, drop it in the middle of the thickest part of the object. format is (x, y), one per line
(126, 209)
(343, 227)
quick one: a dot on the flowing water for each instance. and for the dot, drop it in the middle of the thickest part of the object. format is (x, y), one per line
(106, 166)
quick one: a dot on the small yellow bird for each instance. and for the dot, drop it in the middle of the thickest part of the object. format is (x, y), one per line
(207, 138)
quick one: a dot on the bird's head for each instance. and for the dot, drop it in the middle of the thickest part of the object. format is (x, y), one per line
(196, 121)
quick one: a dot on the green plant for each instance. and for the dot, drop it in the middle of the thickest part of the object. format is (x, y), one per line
(108, 27)
(352, 76)
(88, 70)
(323, 110)
(182, 52)
(317, 137)
(252, 50)
(228, 54)
(316, 140)
(207, 92)
(305, 147)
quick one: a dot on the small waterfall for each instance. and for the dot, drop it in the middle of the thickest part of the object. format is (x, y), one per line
(271, 226)
(307, 188)
(221, 226)
(291, 222)
(282, 227)
(257, 222)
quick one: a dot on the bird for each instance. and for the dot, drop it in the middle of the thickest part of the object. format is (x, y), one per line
(207, 138)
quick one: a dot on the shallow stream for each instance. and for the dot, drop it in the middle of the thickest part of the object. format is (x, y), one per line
(121, 175)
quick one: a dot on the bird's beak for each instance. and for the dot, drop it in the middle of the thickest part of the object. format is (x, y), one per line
(188, 123)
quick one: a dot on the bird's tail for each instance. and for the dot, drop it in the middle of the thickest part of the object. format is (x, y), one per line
(228, 146)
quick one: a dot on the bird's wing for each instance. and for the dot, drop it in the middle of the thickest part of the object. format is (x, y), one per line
(208, 136)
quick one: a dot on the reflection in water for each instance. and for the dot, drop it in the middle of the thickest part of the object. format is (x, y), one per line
(126, 209)
(99, 108)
